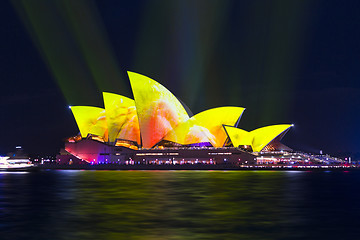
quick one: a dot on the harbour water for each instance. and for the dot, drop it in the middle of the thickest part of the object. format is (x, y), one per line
(74, 204)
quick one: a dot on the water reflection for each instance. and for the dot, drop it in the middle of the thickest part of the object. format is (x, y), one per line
(170, 204)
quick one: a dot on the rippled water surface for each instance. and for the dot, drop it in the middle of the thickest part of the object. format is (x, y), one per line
(179, 205)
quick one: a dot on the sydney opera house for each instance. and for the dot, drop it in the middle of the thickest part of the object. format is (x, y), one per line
(157, 128)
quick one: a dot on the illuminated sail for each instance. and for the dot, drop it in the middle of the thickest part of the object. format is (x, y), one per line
(238, 136)
(258, 138)
(90, 120)
(263, 136)
(189, 132)
(207, 126)
(158, 110)
(121, 116)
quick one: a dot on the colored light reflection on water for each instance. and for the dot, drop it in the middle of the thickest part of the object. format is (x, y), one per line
(179, 205)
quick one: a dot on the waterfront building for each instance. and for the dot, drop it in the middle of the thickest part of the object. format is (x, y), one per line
(157, 128)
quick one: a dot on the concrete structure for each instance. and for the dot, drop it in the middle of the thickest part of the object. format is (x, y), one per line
(156, 128)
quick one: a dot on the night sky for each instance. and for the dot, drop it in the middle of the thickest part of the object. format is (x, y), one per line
(284, 61)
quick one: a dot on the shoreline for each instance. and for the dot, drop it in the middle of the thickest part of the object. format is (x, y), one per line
(195, 167)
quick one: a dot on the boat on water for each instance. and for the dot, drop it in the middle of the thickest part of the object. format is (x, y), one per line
(14, 164)
(16, 161)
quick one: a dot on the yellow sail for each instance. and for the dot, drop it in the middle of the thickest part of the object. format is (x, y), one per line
(90, 120)
(121, 116)
(258, 138)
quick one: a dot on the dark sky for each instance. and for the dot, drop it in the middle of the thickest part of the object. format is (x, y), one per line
(284, 61)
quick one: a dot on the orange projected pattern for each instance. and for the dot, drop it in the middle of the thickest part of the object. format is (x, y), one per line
(206, 126)
(159, 111)
(122, 120)
(90, 120)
